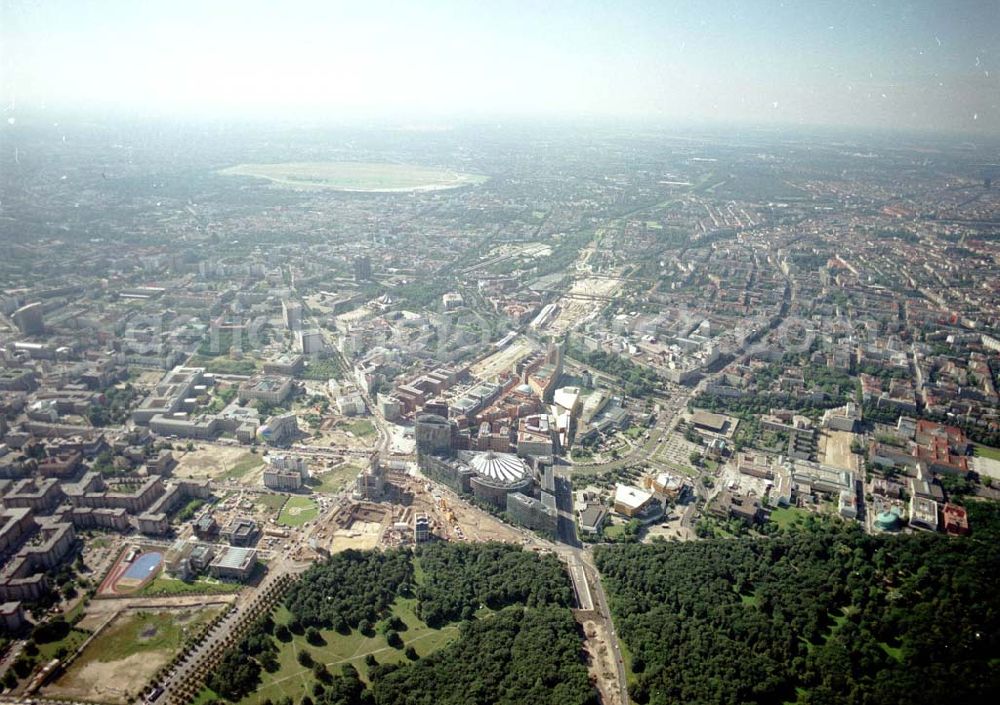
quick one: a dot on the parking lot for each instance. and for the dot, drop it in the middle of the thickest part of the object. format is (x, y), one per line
(675, 451)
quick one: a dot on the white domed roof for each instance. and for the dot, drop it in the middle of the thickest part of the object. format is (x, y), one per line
(501, 467)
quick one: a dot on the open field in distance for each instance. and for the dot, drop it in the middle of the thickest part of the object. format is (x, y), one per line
(356, 176)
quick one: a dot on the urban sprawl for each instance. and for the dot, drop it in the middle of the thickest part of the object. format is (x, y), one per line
(211, 382)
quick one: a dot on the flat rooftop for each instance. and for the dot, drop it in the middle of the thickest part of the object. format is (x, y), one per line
(706, 419)
(235, 557)
(631, 496)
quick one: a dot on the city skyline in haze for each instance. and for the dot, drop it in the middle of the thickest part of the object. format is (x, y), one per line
(911, 65)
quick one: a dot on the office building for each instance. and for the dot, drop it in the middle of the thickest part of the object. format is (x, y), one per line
(532, 513)
(285, 473)
(362, 268)
(422, 529)
(291, 312)
(432, 434)
(234, 564)
(241, 532)
(279, 429)
(310, 342)
(29, 319)
(270, 389)
(370, 482)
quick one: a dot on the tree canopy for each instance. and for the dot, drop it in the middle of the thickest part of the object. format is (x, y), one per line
(350, 587)
(529, 651)
(461, 577)
(828, 615)
(515, 656)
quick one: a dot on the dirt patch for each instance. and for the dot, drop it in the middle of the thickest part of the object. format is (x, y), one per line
(148, 379)
(92, 620)
(115, 682)
(185, 617)
(837, 450)
(355, 526)
(987, 466)
(208, 462)
(333, 435)
(361, 536)
(600, 662)
(478, 526)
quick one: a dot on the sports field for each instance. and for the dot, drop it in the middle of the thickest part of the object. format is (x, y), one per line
(128, 577)
(297, 511)
(361, 177)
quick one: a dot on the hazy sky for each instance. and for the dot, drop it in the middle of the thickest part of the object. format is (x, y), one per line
(923, 64)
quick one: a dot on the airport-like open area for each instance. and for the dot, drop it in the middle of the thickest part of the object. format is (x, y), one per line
(359, 177)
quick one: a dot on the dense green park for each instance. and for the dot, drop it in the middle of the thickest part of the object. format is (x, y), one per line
(449, 623)
(822, 613)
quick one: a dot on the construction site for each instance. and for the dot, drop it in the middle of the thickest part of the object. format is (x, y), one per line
(503, 360)
(363, 524)
(582, 302)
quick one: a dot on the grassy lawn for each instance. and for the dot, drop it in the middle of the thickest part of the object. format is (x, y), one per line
(360, 428)
(188, 510)
(163, 585)
(293, 680)
(335, 480)
(141, 632)
(630, 677)
(788, 516)
(987, 452)
(614, 531)
(685, 470)
(77, 610)
(419, 574)
(205, 696)
(800, 696)
(244, 465)
(895, 652)
(71, 642)
(274, 502)
(297, 511)
(223, 365)
(839, 620)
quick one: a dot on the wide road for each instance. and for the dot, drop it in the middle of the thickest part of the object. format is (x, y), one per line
(582, 560)
(601, 603)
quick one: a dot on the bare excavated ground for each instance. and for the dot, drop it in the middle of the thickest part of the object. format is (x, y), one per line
(600, 662)
(213, 461)
(114, 682)
(836, 450)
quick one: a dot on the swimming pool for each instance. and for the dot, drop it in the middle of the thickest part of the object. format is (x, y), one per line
(143, 566)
